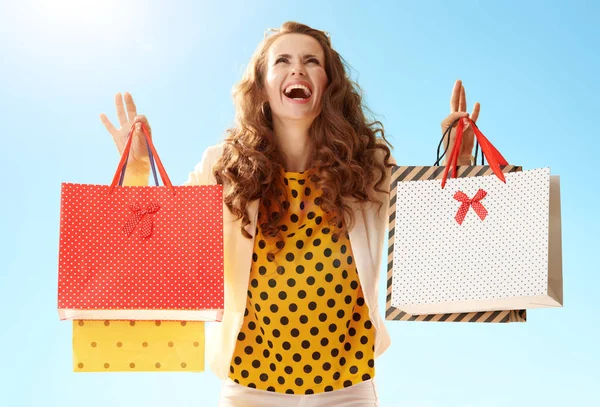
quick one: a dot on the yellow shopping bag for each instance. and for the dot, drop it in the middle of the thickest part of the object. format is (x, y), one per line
(138, 346)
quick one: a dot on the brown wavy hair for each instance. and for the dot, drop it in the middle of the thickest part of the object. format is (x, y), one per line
(349, 158)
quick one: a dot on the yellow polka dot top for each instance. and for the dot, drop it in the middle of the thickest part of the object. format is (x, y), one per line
(306, 327)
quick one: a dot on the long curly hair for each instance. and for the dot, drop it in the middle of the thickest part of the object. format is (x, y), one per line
(349, 159)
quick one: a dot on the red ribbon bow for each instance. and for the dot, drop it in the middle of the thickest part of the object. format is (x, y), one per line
(468, 202)
(143, 215)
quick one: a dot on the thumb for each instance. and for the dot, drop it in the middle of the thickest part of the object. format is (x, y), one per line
(142, 121)
(447, 122)
(138, 132)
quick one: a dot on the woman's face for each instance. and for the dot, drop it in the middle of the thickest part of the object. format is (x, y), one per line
(295, 79)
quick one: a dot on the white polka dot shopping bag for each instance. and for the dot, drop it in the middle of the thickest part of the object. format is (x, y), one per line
(486, 241)
(141, 252)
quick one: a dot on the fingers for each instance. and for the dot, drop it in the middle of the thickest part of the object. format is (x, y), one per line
(455, 98)
(458, 102)
(120, 110)
(109, 126)
(131, 109)
(463, 100)
(475, 113)
(117, 139)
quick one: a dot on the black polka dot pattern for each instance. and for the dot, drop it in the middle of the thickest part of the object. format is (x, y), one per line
(306, 328)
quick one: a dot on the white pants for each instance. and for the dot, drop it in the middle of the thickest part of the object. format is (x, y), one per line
(363, 394)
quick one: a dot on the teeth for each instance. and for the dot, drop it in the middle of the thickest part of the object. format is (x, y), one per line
(306, 90)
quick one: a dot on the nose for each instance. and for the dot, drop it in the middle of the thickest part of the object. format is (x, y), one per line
(298, 70)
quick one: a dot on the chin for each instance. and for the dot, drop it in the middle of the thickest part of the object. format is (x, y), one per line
(306, 117)
(299, 115)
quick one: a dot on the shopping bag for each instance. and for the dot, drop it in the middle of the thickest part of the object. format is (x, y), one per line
(141, 252)
(138, 346)
(415, 173)
(475, 243)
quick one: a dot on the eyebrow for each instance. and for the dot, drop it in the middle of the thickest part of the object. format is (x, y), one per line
(289, 56)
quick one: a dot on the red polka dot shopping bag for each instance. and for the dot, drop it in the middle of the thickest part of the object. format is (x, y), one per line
(141, 252)
(473, 243)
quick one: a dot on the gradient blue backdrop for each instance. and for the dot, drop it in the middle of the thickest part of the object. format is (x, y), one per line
(533, 66)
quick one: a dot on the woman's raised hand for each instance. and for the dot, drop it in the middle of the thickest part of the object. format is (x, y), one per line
(458, 109)
(139, 161)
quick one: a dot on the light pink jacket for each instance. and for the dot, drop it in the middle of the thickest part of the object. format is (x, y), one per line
(366, 237)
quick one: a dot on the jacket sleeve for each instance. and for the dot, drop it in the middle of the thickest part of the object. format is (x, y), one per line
(202, 173)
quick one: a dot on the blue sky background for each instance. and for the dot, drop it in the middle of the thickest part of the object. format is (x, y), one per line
(533, 66)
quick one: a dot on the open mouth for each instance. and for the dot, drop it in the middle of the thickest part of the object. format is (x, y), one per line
(297, 92)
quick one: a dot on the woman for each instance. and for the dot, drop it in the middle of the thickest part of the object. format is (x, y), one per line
(306, 185)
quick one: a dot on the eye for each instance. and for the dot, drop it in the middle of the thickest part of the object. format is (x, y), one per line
(281, 59)
(315, 60)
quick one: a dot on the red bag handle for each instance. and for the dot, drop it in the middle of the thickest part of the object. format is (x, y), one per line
(161, 169)
(492, 155)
